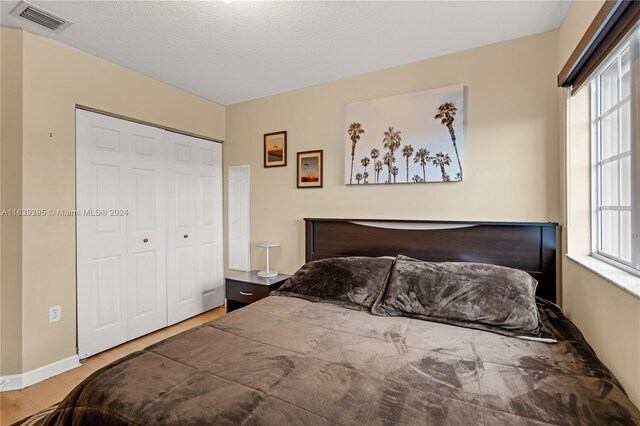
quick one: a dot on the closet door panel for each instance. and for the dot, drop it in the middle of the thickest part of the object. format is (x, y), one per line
(101, 151)
(184, 298)
(184, 201)
(146, 236)
(106, 288)
(185, 276)
(194, 279)
(210, 232)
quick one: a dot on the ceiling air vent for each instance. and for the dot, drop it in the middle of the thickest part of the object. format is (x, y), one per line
(40, 16)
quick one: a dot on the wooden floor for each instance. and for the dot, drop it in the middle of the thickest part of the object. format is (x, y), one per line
(16, 405)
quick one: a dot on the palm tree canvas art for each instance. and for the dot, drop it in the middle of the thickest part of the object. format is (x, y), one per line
(410, 138)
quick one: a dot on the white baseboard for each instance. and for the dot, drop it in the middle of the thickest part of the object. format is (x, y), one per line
(11, 382)
(21, 381)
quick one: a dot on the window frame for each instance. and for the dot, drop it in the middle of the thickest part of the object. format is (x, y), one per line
(632, 40)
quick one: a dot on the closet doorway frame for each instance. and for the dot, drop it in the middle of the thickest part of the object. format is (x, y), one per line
(75, 176)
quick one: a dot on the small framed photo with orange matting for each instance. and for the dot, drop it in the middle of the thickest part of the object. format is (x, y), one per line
(275, 149)
(310, 169)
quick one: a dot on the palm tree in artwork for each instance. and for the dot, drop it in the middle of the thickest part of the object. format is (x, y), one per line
(417, 178)
(375, 153)
(446, 113)
(392, 140)
(377, 167)
(441, 160)
(388, 160)
(358, 177)
(365, 177)
(354, 131)
(422, 157)
(407, 151)
(365, 162)
(394, 173)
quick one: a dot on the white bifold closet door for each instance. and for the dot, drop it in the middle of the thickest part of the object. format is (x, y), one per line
(194, 226)
(121, 247)
(127, 235)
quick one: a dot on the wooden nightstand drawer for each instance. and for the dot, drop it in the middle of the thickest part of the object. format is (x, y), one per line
(246, 292)
(247, 287)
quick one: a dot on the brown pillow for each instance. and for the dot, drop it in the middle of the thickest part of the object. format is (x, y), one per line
(350, 282)
(474, 295)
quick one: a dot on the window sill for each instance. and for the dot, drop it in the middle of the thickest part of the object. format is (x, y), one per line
(620, 278)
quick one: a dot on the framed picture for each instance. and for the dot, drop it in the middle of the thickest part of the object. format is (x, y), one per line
(310, 169)
(275, 149)
(411, 138)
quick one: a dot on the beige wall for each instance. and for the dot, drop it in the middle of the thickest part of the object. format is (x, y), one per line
(574, 25)
(10, 196)
(510, 146)
(56, 79)
(608, 317)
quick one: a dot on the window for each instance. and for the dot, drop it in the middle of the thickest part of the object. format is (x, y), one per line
(614, 103)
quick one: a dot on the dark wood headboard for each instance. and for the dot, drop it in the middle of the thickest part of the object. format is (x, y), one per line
(530, 247)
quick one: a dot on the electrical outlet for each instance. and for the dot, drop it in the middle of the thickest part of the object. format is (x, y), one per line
(55, 313)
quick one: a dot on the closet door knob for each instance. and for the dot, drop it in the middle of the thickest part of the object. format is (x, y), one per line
(146, 240)
(186, 235)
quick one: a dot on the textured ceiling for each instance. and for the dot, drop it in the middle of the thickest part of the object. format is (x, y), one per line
(247, 49)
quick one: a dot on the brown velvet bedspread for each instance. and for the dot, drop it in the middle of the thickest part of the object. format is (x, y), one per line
(287, 361)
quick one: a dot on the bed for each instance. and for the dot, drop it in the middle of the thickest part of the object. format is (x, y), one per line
(287, 360)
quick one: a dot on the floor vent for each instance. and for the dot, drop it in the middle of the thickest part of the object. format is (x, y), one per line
(40, 17)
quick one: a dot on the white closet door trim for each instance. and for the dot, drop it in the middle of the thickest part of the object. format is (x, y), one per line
(239, 214)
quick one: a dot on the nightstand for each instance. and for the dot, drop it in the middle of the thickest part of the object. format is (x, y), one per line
(247, 287)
